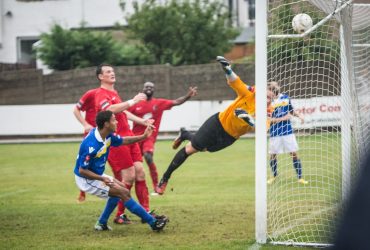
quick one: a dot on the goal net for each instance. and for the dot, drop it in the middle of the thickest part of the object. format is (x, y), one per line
(325, 71)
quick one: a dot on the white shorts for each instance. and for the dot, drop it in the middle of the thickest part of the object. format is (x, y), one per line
(283, 144)
(93, 187)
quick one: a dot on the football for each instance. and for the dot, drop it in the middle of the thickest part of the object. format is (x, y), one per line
(301, 22)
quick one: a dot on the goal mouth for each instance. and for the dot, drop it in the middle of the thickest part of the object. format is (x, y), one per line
(323, 75)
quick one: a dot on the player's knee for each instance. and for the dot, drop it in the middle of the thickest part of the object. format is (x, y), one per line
(129, 179)
(189, 149)
(148, 157)
(124, 194)
(140, 174)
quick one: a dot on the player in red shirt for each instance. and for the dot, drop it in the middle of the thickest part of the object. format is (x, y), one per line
(125, 161)
(86, 104)
(153, 108)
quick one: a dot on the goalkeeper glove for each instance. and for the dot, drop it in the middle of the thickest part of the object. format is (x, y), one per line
(242, 114)
(225, 64)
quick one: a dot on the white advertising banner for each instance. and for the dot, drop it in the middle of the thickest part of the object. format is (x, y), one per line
(317, 112)
(58, 119)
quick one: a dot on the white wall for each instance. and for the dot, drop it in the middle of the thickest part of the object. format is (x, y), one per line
(59, 119)
(30, 19)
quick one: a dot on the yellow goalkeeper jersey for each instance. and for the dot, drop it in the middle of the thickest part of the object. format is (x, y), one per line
(245, 100)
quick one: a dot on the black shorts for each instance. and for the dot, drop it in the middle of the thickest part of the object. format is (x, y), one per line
(211, 136)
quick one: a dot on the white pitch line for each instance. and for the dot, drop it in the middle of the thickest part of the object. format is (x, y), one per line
(14, 193)
(255, 246)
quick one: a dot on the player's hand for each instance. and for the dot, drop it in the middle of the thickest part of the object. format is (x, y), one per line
(87, 128)
(140, 97)
(301, 118)
(242, 114)
(149, 122)
(108, 181)
(192, 91)
(148, 131)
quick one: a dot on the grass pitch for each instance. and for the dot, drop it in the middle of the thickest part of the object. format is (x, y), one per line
(210, 202)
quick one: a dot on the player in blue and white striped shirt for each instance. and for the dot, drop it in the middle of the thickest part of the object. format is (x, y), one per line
(90, 166)
(282, 138)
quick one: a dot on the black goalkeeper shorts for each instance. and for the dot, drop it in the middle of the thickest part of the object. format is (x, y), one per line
(211, 136)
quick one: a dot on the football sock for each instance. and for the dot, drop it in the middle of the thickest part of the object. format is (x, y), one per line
(298, 168)
(135, 208)
(179, 159)
(142, 194)
(230, 75)
(82, 193)
(121, 206)
(153, 173)
(273, 165)
(109, 207)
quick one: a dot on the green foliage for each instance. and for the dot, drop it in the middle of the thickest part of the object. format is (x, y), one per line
(64, 49)
(182, 32)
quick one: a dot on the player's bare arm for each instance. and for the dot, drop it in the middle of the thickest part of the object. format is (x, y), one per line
(132, 139)
(92, 176)
(299, 115)
(280, 119)
(79, 117)
(119, 107)
(139, 120)
(192, 92)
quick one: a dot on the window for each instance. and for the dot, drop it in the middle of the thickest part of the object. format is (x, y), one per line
(24, 50)
(252, 9)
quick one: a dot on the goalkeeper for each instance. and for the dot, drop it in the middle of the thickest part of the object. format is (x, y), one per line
(221, 129)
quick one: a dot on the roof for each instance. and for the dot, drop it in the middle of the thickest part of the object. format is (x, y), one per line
(247, 35)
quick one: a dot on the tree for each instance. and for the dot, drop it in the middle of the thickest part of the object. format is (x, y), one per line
(182, 32)
(64, 49)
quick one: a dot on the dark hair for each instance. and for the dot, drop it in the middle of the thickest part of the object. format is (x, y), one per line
(103, 117)
(98, 70)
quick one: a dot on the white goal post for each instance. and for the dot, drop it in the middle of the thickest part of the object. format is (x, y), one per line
(325, 71)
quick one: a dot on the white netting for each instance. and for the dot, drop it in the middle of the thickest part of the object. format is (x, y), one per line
(361, 63)
(328, 83)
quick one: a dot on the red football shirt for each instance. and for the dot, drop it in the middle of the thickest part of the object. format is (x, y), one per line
(104, 98)
(151, 109)
(87, 104)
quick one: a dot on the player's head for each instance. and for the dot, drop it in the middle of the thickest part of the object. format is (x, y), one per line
(106, 119)
(148, 89)
(105, 73)
(270, 96)
(274, 87)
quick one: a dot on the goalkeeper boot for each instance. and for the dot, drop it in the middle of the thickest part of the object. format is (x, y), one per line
(179, 139)
(159, 223)
(242, 114)
(225, 64)
(302, 181)
(161, 187)
(102, 227)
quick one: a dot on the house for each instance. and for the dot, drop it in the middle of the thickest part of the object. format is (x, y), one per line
(22, 21)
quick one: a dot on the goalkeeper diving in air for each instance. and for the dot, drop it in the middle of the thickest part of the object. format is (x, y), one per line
(221, 129)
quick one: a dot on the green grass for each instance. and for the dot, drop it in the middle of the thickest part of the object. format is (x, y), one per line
(210, 202)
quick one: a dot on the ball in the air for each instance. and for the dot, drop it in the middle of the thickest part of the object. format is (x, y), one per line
(301, 22)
